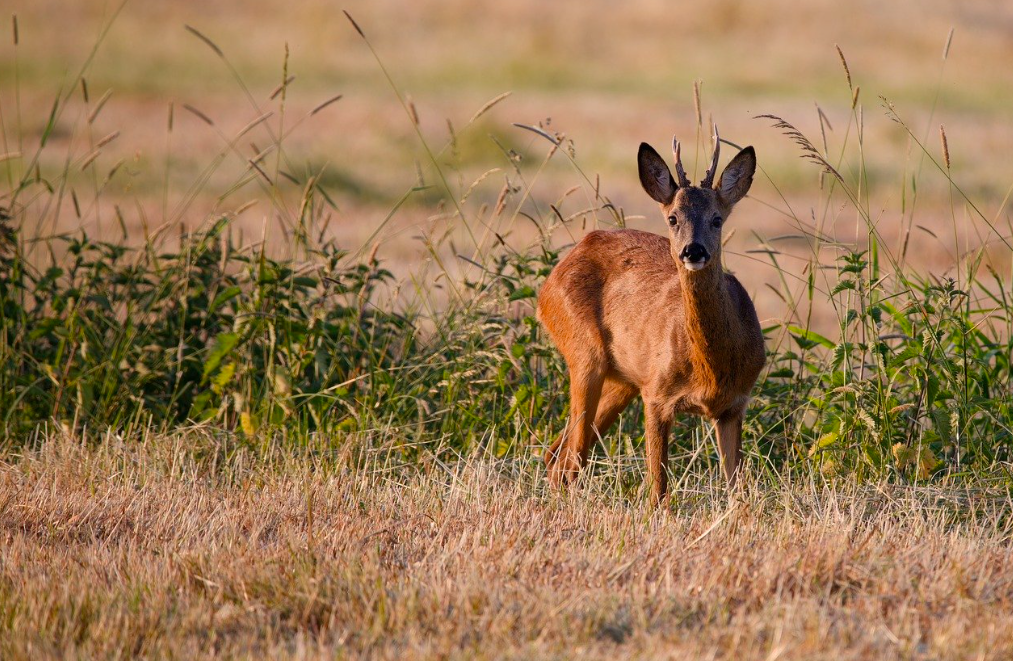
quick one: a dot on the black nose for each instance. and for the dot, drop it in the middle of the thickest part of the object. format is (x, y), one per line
(694, 252)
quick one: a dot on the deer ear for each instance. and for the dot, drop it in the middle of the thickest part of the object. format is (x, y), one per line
(737, 177)
(655, 176)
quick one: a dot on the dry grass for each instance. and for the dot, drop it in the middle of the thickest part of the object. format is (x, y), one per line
(183, 547)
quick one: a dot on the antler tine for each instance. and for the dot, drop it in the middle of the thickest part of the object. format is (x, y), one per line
(679, 171)
(708, 179)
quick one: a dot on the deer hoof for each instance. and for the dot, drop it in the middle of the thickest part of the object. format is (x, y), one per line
(563, 471)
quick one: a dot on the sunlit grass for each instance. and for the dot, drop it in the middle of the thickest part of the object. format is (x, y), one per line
(189, 544)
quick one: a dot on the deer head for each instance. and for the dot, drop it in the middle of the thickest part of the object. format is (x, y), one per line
(696, 214)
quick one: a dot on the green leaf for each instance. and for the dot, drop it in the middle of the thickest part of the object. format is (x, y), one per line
(223, 377)
(910, 352)
(809, 337)
(224, 344)
(523, 292)
(931, 390)
(941, 420)
(50, 124)
(223, 296)
(826, 440)
(841, 286)
(841, 352)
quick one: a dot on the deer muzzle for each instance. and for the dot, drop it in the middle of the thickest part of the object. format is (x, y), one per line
(694, 256)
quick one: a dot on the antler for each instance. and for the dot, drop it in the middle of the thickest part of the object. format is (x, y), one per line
(708, 179)
(679, 171)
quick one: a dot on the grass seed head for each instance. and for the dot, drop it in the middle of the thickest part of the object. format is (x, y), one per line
(945, 146)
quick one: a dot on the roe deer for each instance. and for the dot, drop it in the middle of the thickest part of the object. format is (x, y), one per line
(637, 313)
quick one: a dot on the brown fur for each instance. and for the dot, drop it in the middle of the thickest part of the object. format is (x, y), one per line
(630, 318)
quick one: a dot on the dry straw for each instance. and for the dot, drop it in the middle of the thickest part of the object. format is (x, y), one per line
(93, 115)
(90, 158)
(847, 70)
(199, 114)
(354, 24)
(488, 106)
(333, 99)
(412, 110)
(281, 86)
(109, 138)
(501, 200)
(210, 44)
(945, 145)
(696, 103)
(283, 547)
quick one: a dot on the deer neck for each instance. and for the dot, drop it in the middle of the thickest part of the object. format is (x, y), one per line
(710, 324)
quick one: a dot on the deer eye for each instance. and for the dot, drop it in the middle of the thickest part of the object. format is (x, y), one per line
(672, 220)
(716, 221)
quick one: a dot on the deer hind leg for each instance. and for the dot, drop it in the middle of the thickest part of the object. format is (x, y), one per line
(729, 435)
(616, 395)
(569, 453)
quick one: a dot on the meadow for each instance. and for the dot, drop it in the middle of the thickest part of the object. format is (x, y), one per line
(271, 382)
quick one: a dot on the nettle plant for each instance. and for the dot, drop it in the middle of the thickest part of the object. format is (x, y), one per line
(917, 382)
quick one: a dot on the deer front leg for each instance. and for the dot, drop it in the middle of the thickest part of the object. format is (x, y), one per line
(729, 434)
(657, 426)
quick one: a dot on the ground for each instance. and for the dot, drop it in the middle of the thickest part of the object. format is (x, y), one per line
(184, 545)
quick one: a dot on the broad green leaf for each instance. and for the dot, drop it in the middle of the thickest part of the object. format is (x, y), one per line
(224, 344)
(522, 293)
(223, 296)
(223, 377)
(823, 442)
(841, 286)
(809, 336)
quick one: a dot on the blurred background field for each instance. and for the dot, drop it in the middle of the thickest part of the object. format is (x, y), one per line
(605, 75)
